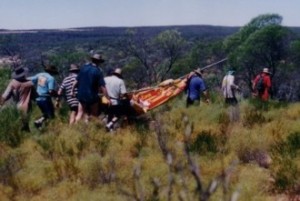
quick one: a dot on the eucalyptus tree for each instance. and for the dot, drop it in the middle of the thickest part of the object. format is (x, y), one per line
(62, 57)
(263, 42)
(170, 47)
(155, 55)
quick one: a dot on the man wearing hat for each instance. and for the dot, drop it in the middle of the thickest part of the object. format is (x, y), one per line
(116, 91)
(90, 83)
(262, 85)
(46, 88)
(20, 89)
(66, 88)
(195, 86)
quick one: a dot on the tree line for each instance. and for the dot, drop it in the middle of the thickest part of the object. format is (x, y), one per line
(149, 55)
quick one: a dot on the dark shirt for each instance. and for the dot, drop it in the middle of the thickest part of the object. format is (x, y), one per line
(196, 86)
(90, 78)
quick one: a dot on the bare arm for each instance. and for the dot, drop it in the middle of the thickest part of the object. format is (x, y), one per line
(59, 93)
(233, 85)
(104, 91)
(7, 94)
(206, 95)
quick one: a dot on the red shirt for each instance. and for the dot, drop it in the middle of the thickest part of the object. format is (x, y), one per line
(267, 83)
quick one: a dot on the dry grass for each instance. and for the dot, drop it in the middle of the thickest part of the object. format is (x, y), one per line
(84, 162)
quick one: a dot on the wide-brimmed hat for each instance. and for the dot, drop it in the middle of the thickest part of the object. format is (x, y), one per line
(97, 57)
(118, 71)
(266, 70)
(74, 67)
(198, 71)
(51, 69)
(19, 72)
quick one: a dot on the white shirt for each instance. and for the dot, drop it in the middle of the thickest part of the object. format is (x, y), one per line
(115, 88)
(228, 86)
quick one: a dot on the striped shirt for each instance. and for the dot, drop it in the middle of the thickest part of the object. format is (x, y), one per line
(66, 86)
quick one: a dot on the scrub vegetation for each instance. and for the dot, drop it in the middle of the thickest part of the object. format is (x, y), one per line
(173, 153)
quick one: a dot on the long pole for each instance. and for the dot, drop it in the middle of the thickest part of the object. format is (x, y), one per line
(208, 66)
(213, 64)
(205, 67)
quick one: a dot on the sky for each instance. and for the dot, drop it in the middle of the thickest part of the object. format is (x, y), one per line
(58, 14)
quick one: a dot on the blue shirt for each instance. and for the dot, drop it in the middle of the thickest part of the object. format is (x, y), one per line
(90, 78)
(196, 86)
(44, 83)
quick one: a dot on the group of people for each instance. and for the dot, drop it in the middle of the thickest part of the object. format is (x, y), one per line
(261, 87)
(82, 87)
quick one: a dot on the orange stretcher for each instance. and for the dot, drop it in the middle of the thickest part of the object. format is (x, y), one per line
(149, 98)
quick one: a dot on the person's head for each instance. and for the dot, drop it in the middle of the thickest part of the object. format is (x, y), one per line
(74, 68)
(97, 59)
(198, 72)
(51, 69)
(19, 73)
(118, 72)
(231, 72)
(266, 71)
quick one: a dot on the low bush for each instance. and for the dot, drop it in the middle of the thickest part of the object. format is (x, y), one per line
(10, 124)
(253, 116)
(204, 143)
(286, 168)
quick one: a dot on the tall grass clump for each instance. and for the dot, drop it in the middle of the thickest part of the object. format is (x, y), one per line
(11, 161)
(37, 171)
(205, 143)
(252, 116)
(10, 124)
(286, 168)
(4, 77)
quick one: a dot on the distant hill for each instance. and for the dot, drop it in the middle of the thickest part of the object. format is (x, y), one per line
(186, 30)
(295, 29)
(86, 34)
(36, 41)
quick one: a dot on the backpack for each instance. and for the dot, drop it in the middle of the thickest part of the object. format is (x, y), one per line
(260, 85)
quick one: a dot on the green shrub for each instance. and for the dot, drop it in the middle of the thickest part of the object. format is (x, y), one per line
(286, 177)
(286, 169)
(36, 174)
(10, 123)
(204, 143)
(293, 142)
(92, 170)
(10, 163)
(47, 142)
(289, 147)
(4, 78)
(103, 144)
(253, 116)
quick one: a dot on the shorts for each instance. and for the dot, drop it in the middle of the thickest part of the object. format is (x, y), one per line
(91, 108)
(73, 108)
(231, 101)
